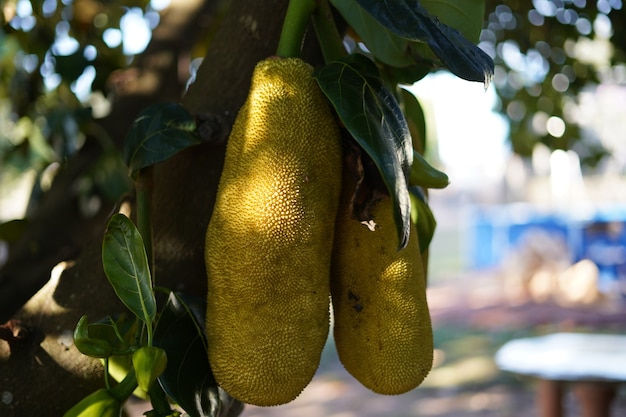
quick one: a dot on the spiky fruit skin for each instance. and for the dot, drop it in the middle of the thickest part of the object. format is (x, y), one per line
(269, 240)
(382, 326)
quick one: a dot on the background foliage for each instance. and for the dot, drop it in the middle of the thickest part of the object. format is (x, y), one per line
(546, 53)
(60, 62)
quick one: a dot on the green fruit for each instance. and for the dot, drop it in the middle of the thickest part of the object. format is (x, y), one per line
(268, 244)
(382, 326)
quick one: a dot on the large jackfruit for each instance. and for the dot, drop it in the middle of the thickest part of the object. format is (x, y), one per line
(382, 326)
(269, 240)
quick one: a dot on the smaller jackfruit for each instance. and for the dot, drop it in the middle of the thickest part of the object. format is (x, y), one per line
(269, 240)
(382, 325)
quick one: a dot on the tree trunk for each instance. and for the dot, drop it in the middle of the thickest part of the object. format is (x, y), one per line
(41, 372)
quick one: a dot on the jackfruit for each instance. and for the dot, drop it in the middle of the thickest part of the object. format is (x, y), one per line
(269, 239)
(382, 326)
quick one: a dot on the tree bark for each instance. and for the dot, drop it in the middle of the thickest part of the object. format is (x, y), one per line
(43, 373)
(58, 229)
(186, 184)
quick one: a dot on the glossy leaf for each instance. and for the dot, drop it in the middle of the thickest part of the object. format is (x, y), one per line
(158, 133)
(109, 330)
(12, 230)
(90, 346)
(410, 20)
(229, 407)
(126, 267)
(409, 75)
(422, 217)
(425, 175)
(99, 403)
(119, 367)
(148, 362)
(415, 119)
(71, 66)
(373, 117)
(188, 378)
(466, 16)
(406, 62)
(386, 46)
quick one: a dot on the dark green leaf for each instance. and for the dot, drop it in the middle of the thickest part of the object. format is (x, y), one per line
(126, 267)
(230, 407)
(373, 117)
(386, 46)
(415, 119)
(110, 176)
(188, 379)
(148, 362)
(99, 403)
(158, 133)
(107, 332)
(466, 16)
(422, 217)
(425, 175)
(409, 20)
(409, 75)
(405, 61)
(70, 67)
(12, 230)
(90, 346)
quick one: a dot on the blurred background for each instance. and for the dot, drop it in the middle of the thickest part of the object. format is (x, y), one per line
(531, 235)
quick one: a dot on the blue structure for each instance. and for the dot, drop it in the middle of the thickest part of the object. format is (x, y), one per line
(600, 235)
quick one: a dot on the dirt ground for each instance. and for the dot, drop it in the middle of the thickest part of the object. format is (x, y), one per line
(472, 319)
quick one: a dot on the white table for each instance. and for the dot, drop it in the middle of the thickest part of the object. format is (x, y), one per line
(594, 364)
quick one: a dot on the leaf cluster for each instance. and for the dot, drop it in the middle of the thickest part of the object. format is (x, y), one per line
(159, 355)
(396, 43)
(541, 68)
(161, 352)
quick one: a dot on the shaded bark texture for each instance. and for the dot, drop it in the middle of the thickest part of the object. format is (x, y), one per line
(42, 373)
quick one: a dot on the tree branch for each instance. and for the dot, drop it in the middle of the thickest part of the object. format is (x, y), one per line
(184, 195)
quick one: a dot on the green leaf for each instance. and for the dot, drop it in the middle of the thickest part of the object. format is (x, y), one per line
(188, 378)
(159, 132)
(148, 362)
(386, 47)
(415, 119)
(409, 75)
(70, 67)
(409, 20)
(466, 16)
(373, 117)
(90, 346)
(125, 388)
(425, 175)
(406, 61)
(422, 217)
(99, 403)
(109, 331)
(126, 267)
(12, 230)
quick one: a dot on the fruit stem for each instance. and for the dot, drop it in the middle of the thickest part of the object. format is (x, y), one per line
(158, 399)
(125, 388)
(327, 34)
(294, 27)
(107, 380)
